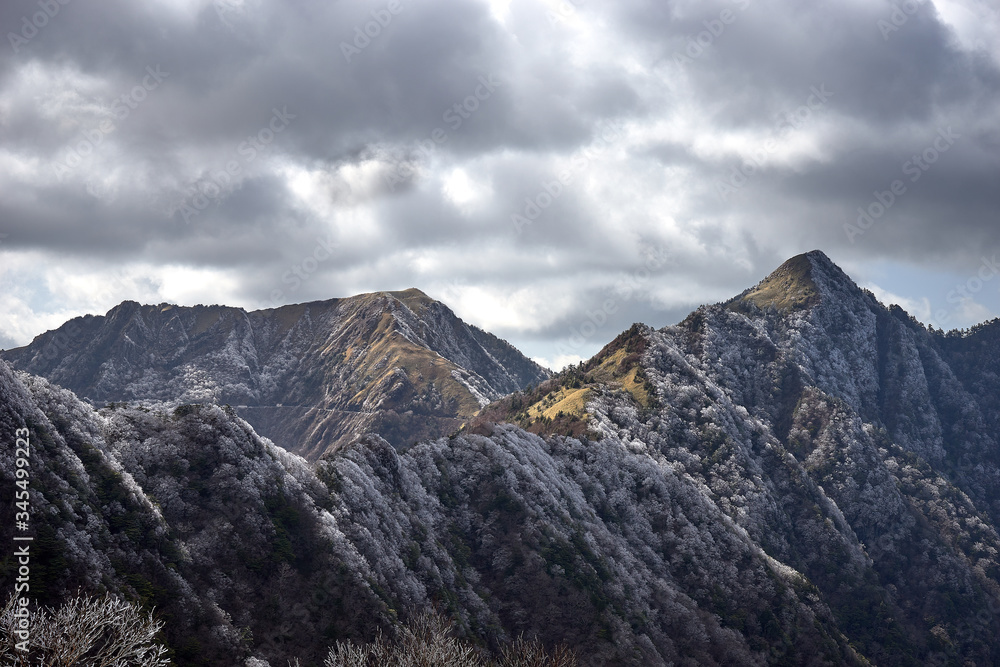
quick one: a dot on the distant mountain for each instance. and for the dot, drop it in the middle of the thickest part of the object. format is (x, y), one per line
(798, 475)
(313, 377)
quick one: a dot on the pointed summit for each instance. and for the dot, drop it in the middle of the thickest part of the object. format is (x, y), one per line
(797, 284)
(789, 287)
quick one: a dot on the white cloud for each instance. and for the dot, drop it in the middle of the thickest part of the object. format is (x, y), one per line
(37, 294)
(559, 362)
(919, 307)
(445, 226)
(466, 192)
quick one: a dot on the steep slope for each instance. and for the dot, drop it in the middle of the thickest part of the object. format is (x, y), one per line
(973, 357)
(245, 549)
(188, 511)
(835, 432)
(312, 377)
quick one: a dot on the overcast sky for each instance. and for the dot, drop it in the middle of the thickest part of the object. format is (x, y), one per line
(553, 171)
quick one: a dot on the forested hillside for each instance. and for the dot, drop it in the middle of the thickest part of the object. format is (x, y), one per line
(799, 475)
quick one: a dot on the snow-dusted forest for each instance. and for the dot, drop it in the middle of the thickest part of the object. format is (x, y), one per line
(796, 476)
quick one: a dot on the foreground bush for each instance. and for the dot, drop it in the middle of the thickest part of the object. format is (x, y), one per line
(83, 632)
(428, 642)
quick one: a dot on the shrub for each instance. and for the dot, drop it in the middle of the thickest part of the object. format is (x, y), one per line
(84, 632)
(428, 642)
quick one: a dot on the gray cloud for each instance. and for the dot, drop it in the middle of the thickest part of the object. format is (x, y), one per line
(414, 148)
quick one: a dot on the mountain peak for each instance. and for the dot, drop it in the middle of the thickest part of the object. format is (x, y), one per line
(414, 299)
(789, 287)
(797, 284)
(410, 292)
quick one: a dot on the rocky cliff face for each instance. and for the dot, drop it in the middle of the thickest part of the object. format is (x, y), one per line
(796, 476)
(311, 376)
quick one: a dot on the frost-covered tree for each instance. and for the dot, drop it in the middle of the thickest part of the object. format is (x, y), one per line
(82, 632)
(428, 642)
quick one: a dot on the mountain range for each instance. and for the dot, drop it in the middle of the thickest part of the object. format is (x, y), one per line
(311, 376)
(799, 475)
